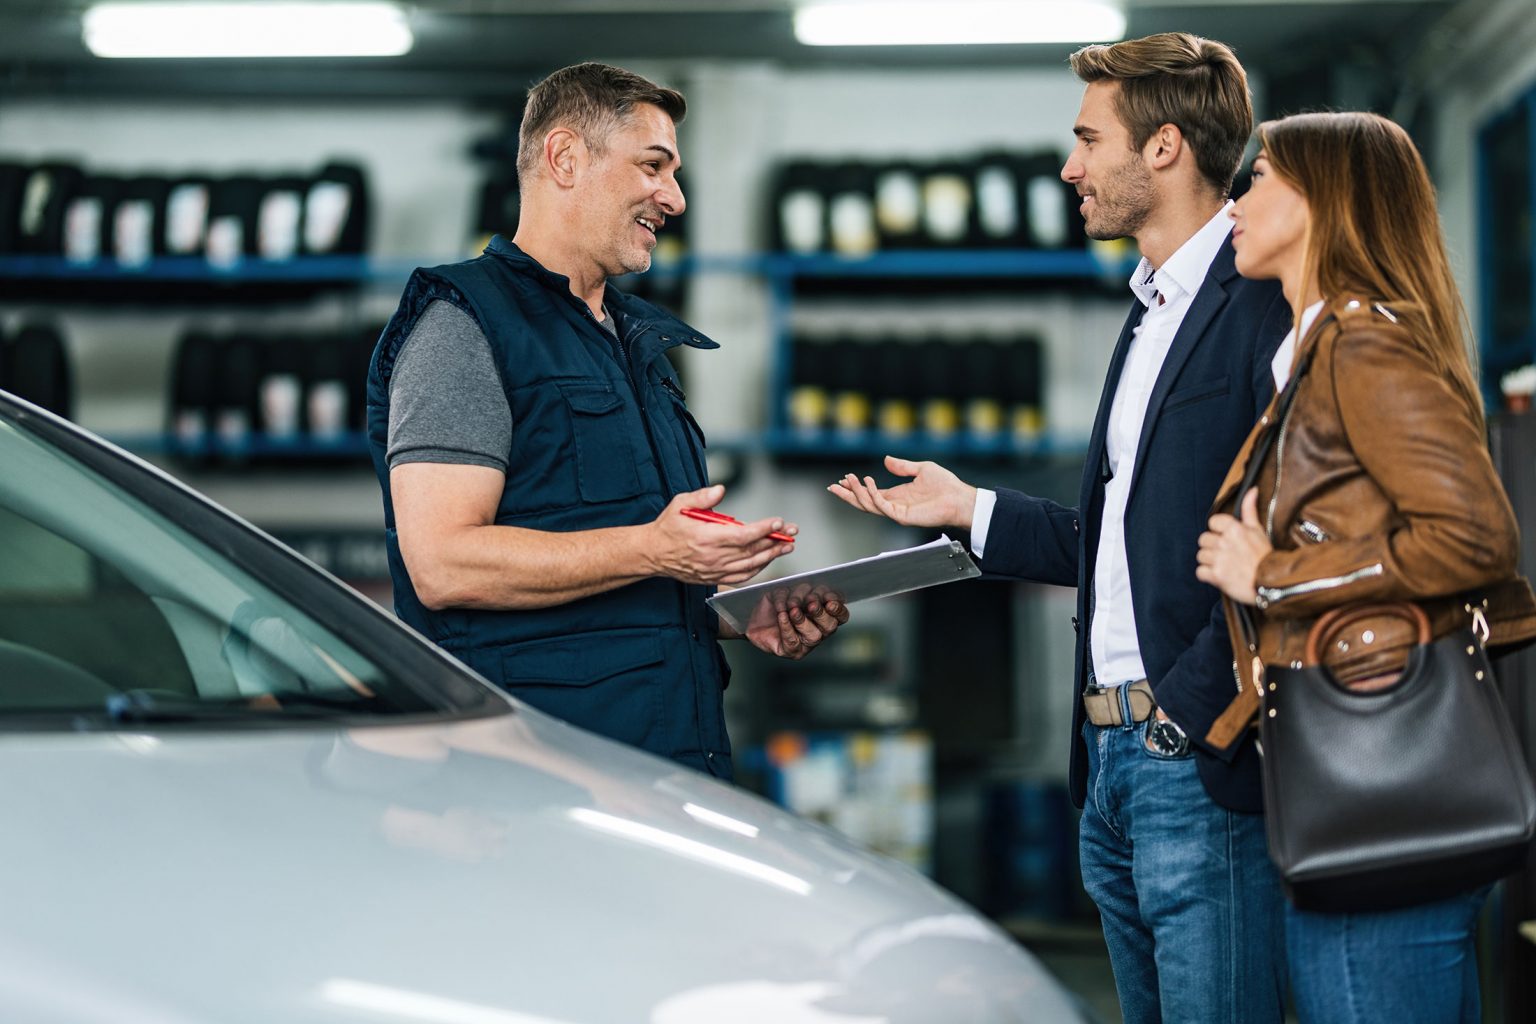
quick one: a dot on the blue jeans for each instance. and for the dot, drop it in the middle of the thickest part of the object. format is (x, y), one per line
(1190, 903)
(1411, 966)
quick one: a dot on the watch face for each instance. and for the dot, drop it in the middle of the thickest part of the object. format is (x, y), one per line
(1168, 738)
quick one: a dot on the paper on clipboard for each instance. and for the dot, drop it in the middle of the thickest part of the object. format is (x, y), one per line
(892, 572)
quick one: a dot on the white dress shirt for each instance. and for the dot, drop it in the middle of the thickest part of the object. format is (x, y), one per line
(1167, 292)
(1285, 355)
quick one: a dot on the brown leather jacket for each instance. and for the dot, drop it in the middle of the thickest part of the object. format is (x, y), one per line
(1379, 487)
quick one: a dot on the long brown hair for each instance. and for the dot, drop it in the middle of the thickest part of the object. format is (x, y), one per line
(1375, 230)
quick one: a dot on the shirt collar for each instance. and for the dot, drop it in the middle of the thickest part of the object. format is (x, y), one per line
(1308, 318)
(1184, 271)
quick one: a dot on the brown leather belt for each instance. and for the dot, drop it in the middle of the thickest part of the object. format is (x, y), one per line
(1102, 703)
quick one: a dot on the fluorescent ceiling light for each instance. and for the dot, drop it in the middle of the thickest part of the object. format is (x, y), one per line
(955, 22)
(253, 29)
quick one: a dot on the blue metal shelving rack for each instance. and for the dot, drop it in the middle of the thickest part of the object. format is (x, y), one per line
(780, 270)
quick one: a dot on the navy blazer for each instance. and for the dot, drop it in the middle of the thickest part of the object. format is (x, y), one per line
(1213, 386)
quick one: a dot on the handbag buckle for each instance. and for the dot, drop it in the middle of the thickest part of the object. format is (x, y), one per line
(1258, 676)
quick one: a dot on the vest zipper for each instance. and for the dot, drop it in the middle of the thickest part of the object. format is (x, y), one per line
(615, 342)
(621, 352)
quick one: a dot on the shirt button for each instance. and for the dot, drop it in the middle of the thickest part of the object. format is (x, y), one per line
(694, 634)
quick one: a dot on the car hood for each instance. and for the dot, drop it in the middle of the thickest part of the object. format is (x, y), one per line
(505, 870)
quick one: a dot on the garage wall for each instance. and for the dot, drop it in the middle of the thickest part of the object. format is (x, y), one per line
(1493, 62)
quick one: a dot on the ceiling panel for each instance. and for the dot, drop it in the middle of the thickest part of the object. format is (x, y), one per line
(491, 49)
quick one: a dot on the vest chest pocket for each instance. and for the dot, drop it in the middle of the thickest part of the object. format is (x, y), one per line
(604, 441)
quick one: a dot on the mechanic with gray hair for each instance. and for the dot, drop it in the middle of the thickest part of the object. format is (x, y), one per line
(536, 455)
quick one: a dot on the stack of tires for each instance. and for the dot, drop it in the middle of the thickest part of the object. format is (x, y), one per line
(984, 391)
(85, 216)
(993, 200)
(234, 392)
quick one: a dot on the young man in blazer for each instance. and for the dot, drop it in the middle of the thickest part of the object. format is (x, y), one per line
(1172, 840)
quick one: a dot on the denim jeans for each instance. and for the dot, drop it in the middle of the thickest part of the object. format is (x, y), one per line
(1411, 966)
(1190, 903)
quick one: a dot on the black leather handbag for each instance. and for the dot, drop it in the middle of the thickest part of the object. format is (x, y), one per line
(1395, 796)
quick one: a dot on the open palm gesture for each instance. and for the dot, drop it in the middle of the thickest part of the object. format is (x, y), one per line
(934, 497)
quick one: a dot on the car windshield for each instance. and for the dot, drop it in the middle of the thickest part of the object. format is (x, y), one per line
(125, 600)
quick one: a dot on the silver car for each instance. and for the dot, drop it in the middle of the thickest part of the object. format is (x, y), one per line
(236, 791)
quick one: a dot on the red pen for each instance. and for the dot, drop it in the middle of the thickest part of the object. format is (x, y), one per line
(709, 515)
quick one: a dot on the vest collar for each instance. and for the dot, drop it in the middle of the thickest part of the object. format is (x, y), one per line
(668, 329)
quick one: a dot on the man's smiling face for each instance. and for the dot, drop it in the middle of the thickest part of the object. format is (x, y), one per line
(630, 190)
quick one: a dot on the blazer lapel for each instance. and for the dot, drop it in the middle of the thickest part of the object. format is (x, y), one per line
(1208, 301)
(1226, 496)
(1096, 440)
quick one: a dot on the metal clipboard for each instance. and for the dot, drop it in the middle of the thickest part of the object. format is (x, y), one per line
(891, 572)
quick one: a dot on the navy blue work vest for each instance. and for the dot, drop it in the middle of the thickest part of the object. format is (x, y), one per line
(600, 438)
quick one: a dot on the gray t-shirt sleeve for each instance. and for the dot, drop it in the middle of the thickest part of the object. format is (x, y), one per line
(446, 403)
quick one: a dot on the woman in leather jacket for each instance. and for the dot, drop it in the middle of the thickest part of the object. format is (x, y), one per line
(1378, 487)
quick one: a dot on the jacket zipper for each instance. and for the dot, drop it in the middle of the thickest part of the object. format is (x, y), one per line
(1274, 498)
(1269, 595)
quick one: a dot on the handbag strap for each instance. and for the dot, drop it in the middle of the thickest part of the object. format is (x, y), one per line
(1344, 616)
(1255, 466)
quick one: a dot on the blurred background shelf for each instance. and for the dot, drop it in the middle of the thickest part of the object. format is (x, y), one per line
(954, 263)
(917, 446)
(341, 269)
(351, 446)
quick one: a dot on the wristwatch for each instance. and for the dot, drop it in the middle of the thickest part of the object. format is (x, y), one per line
(1167, 738)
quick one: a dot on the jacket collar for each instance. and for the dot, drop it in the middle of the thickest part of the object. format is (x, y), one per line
(1226, 495)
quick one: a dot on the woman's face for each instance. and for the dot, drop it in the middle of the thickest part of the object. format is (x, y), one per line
(1269, 226)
